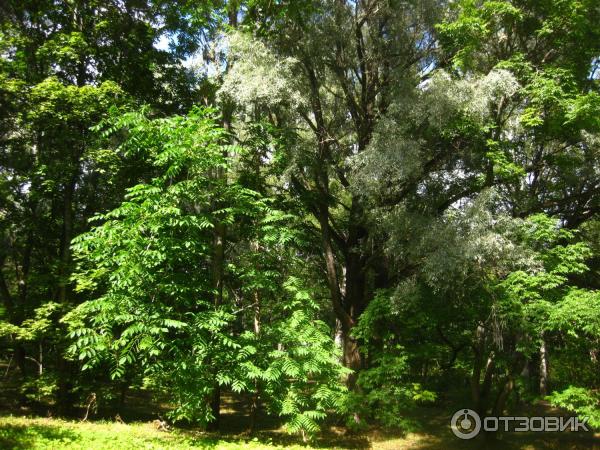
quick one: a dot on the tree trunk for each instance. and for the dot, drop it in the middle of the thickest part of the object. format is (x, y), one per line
(354, 304)
(220, 230)
(217, 281)
(352, 356)
(352, 359)
(215, 406)
(480, 389)
(543, 368)
(20, 360)
(64, 397)
(67, 235)
(478, 348)
(355, 264)
(503, 396)
(256, 395)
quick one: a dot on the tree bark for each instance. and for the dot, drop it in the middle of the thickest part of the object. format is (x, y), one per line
(215, 406)
(217, 269)
(254, 405)
(67, 235)
(478, 349)
(503, 395)
(220, 231)
(543, 368)
(480, 389)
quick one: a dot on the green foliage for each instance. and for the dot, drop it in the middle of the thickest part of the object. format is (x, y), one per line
(149, 260)
(542, 297)
(302, 378)
(582, 401)
(421, 177)
(42, 389)
(36, 328)
(577, 314)
(386, 393)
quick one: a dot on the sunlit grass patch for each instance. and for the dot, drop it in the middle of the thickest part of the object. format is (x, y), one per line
(44, 433)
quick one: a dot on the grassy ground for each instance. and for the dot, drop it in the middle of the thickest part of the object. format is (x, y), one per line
(42, 433)
(434, 434)
(23, 428)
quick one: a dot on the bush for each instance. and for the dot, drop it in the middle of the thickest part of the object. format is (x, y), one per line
(583, 402)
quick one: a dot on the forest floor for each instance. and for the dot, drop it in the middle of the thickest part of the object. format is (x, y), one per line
(22, 428)
(433, 433)
(50, 433)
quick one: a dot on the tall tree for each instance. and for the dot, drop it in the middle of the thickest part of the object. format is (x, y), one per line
(148, 267)
(344, 62)
(64, 65)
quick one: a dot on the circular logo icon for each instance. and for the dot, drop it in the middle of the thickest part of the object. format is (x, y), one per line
(465, 423)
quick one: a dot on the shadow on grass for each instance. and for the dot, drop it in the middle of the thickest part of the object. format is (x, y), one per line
(326, 439)
(17, 437)
(236, 423)
(433, 432)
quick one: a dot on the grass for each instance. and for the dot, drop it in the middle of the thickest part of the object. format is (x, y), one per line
(44, 433)
(428, 429)
(19, 432)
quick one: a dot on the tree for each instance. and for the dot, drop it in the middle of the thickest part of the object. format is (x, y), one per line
(343, 63)
(63, 66)
(148, 267)
(421, 176)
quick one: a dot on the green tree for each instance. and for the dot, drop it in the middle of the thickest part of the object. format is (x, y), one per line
(149, 264)
(63, 65)
(330, 70)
